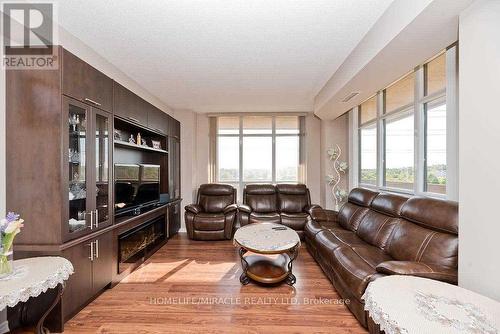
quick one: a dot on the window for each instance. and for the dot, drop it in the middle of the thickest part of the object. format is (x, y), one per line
(287, 159)
(435, 148)
(399, 153)
(254, 149)
(368, 152)
(258, 159)
(403, 131)
(228, 159)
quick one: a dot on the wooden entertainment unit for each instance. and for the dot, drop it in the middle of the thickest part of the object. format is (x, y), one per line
(65, 132)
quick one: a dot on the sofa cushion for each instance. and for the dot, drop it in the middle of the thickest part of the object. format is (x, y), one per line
(411, 242)
(418, 269)
(293, 198)
(270, 217)
(261, 198)
(432, 213)
(326, 241)
(353, 270)
(361, 196)
(204, 221)
(350, 215)
(389, 204)
(371, 254)
(295, 221)
(375, 228)
(313, 227)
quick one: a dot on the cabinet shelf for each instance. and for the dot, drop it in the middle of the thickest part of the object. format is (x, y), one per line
(138, 147)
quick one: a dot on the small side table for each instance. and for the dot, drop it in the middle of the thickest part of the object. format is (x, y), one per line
(407, 304)
(33, 277)
(267, 252)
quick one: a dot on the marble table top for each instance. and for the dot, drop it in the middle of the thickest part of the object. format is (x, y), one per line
(266, 238)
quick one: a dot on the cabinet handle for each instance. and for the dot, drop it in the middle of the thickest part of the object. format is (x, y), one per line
(133, 119)
(91, 257)
(92, 101)
(91, 219)
(96, 249)
(96, 218)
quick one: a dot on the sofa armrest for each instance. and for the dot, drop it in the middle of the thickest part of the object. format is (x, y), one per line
(230, 208)
(244, 208)
(332, 216)
(316, 212)
(418, 269)
(194, 208)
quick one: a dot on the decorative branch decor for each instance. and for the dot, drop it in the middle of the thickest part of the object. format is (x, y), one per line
(339, 194)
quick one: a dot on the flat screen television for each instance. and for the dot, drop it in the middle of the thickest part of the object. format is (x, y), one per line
(137, 188)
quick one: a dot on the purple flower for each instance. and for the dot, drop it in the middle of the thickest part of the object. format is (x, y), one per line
(12, 217)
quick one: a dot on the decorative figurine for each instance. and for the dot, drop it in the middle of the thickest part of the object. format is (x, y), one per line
(156, 144)
(139, 141)
(118, 135)
(131, 140)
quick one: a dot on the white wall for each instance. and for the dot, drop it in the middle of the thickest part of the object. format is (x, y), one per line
(313, 154)
(194, 155)
(332, 133)
(479, 132)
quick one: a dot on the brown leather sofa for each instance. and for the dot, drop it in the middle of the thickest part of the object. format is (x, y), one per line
(376, 234)
(287, 204)
(214, 215)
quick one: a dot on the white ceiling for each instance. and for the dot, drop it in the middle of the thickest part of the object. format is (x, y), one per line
(225, 55)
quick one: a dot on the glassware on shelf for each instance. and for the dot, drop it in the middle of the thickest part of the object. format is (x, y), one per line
(74, 120)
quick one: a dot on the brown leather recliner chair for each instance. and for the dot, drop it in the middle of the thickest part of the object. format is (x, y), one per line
(287, 204)
(214, 215)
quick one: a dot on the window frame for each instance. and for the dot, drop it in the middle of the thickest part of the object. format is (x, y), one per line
(448, 96)
(241, 183)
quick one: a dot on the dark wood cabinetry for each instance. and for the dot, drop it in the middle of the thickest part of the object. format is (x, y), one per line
(174, 128)
(84, 83)
(60, 157)
(174, 173)
(93, 263)
(86, 139)
(79, 286)
(129, 106)
(158, 120)
(174, 218)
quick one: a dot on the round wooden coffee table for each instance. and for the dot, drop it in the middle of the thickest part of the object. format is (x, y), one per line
(267, 252)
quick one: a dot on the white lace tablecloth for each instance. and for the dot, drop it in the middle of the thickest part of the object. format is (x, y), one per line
(32, 277)
(407, 304)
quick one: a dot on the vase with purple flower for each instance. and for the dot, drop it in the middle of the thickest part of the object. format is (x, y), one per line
(10, 226)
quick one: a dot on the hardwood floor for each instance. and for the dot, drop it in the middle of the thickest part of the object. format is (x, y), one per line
(193, 287)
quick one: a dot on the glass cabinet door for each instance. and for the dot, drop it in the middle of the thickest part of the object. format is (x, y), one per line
(79, 212)
(102, 211)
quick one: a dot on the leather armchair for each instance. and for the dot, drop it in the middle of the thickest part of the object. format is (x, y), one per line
(213, 217)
